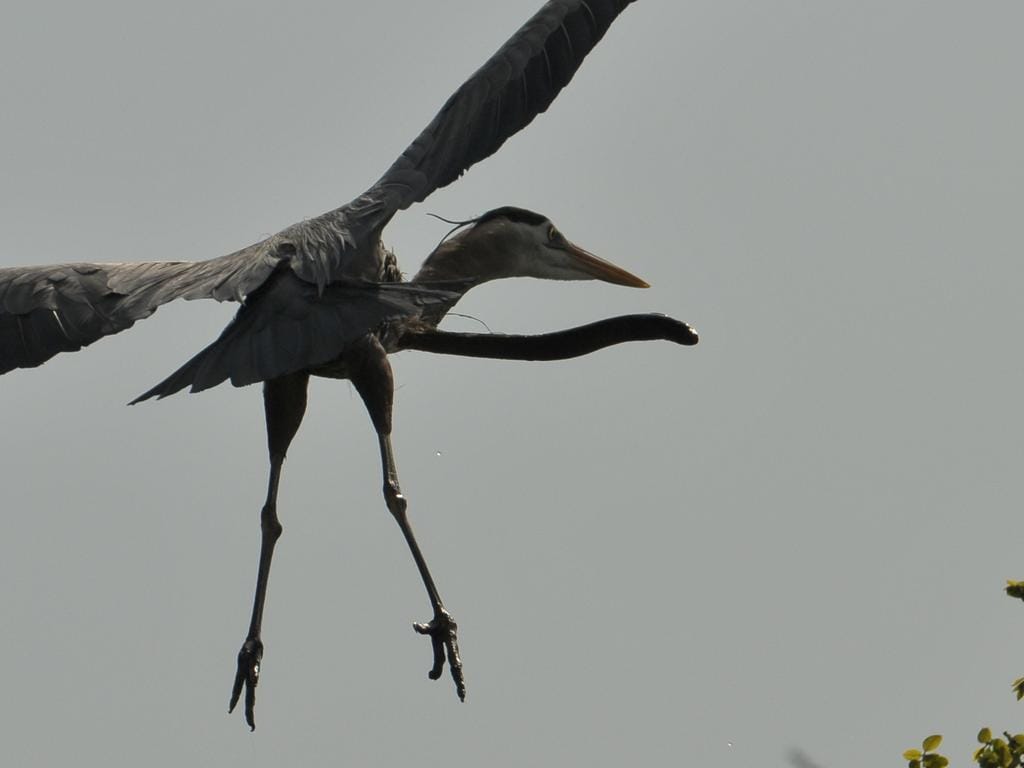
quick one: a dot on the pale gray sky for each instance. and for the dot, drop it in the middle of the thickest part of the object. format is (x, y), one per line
(793, 535)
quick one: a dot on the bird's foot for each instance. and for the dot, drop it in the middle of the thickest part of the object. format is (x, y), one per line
(248, 674)
(442, 631)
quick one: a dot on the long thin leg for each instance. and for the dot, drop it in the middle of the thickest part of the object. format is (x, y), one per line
(370, 372)
(284, 403)
(559, 345)
(442, 628)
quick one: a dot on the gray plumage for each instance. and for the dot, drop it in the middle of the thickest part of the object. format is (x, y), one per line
(323, 297)
(62, 308)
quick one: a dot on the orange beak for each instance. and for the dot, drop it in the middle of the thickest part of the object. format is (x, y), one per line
(600, 269)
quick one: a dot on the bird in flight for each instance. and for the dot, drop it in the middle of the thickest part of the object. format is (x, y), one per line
(324, 297)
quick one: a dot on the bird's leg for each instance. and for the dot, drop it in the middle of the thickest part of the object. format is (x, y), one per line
(559, 345)
(370, 372)
(284, 402)
(442, 628)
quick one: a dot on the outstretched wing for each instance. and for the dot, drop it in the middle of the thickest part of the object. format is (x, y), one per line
(515, 85)
(64, 307)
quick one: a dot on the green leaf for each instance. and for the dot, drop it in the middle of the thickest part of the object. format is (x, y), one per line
(1018, 686)
(932, 742)
(912, 754)
(985, 735)
(914, 764)
(1002, 751)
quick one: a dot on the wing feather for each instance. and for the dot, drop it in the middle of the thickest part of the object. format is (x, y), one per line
(64, 307)
(501, 98)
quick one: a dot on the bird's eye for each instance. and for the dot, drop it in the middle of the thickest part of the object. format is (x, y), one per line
(552, 234)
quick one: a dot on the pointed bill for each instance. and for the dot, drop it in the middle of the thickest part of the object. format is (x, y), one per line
(600, 269)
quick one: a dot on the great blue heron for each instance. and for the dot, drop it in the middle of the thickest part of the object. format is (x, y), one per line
(324, 297)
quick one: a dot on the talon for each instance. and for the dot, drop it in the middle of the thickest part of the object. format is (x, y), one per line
(442, 630)
(248, 675)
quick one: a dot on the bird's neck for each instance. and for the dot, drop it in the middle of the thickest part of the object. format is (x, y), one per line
(472, 261)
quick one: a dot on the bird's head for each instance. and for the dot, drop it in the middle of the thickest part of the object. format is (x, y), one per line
(515, 242)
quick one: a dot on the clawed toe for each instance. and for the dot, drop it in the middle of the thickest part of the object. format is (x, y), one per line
(442, 631)
(248, 675)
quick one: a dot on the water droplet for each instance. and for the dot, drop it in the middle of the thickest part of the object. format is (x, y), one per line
(438, 453)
